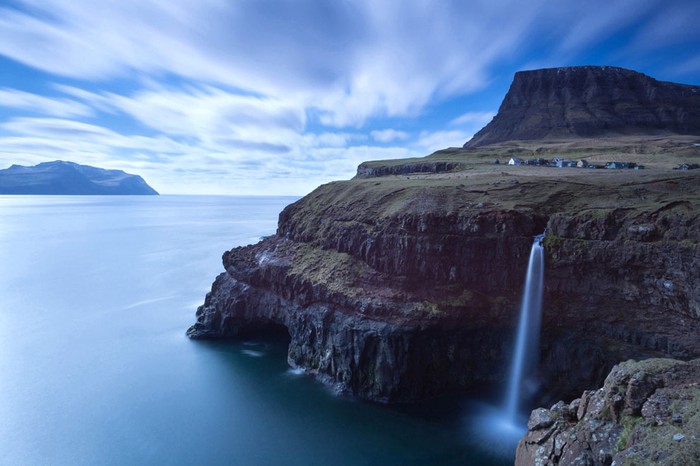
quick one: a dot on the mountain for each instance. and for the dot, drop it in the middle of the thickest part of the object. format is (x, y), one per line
(590, 101)
(61, 177)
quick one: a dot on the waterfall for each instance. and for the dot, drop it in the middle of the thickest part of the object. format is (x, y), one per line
(526, 351)
(500, 428)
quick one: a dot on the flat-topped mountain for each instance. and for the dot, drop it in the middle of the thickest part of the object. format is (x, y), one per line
(61, 177)
(590, 101)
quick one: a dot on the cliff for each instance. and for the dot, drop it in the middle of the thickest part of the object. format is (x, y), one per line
(398, 288)
(404, 282)
(590, 101)
(646, 413)
(61, 177)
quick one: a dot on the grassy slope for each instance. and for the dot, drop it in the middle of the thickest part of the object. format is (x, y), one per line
(483, 183)
(653, 152)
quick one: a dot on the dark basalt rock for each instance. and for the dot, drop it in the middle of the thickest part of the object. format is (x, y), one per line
(590, 101)
(400, 331)
(69, 178)
(367, 170)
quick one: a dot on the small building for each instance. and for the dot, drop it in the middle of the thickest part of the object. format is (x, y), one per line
(516, 161)
(564, 163)
(687, 166)
(582, 163)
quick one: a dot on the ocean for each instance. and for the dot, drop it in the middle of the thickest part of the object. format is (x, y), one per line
(96, 294)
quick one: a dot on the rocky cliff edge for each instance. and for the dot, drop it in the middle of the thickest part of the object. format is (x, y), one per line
(646, 413)
(396, 289)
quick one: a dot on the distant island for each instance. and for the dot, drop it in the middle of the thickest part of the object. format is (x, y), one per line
(68, 178)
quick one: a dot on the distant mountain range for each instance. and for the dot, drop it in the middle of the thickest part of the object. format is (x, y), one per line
(590, 102)
(61, 177)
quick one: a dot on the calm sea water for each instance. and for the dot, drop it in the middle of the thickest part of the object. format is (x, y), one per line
(95, 296)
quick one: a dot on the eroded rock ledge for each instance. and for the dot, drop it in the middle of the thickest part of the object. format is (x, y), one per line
(646, 413)
(396, 290)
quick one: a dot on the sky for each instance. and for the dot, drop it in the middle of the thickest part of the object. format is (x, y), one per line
(275, 97)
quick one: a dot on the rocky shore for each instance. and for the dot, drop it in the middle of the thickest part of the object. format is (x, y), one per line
(646, 413)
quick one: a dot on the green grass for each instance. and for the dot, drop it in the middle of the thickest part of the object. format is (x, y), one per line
(651, 151)
(629, 424)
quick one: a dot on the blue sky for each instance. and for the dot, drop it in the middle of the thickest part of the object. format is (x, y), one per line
(279, 96)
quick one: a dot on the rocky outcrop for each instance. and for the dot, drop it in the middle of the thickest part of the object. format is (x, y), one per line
(68, 178)
(646, 413)
(590, 101)
(373, 169)
(395, 290)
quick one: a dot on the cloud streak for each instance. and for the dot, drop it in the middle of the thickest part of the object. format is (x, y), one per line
(25, 101)
(352, 60)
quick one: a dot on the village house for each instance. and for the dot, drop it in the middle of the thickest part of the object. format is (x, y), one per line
(516, 161)
(582, 163)
(561, 163)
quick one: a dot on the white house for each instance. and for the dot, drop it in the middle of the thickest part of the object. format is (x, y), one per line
(516, 161)
(564, 163)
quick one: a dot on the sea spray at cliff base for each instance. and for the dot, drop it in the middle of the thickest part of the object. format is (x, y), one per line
(500, 428)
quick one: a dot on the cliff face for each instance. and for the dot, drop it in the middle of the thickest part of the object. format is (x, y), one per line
(368, 170)
(395, 310)
(395, 289)
(646, 413)
(590, 101)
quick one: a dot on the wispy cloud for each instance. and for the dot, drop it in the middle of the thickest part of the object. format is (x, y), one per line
(672, 23)
(589, 27)
(351, 60)
(471, 118)
(20, 100)
(432, 141)
(388, 135)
